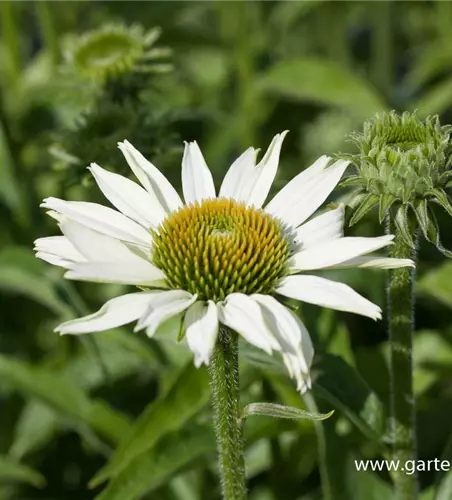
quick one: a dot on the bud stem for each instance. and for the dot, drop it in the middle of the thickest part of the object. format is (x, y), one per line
(401, 324)
(224, 382)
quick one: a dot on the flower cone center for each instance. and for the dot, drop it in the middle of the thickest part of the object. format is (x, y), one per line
(219, 247)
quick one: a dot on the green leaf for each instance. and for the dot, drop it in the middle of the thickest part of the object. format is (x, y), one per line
(260, 359)
(432, 357)
(421, 211)
(37, 425)
(282, 411)
(344, 388)
(64, 397)
(285, 14)
(437, 283)
(369, 202)
(12, 471)
(330, 451)
(434, 237)
(401, 221)
(324, 82)
(188, 394)
(366, 485)
(21, 273)
(150, 470)
(386, 201)
(436, 99)
(443, 480)
(353, 180)
(440, 197)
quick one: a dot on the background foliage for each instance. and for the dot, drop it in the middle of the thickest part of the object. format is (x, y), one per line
(118, 406)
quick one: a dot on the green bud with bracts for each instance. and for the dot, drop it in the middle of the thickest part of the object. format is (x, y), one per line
(403, 167)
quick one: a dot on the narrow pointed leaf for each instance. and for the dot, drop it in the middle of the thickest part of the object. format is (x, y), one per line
(19, 276)
(422, 215)
(353, 180)
(150, 470)
(322, 81)
(386, 201)
(439, 196)
(369, 202)
(344, 388)
(434, 236)
(52, 389)
(282, 411)
(188, 394)
(14, 472)
(443, 479)
(437, 283)
(401, 221)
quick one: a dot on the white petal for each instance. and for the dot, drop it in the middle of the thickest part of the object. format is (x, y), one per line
(116, 312)
(162, 307)
(265, 172)
(327, 293)
(243, 315)
(54, 260)
(197, 181)
(95, 246)
(201, 330)
(101, 219)
(328, 226)
(334, 252)
(129, 198)
(306, 192)
(137, 272)
(57, 250)
(151, 178)
(293, 337)
(376, 262)
(239, 179)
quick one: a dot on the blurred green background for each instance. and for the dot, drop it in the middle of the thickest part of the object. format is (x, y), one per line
(76, 77)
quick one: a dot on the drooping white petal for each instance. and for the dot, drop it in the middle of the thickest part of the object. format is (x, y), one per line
(304, 194)
(332, 252)
(151, 178)
(102, 219)
(129, 198)
(239, 179)
(242, 314)
(293, 337)
(162, 307)
(116, 312)
(325, 227)
(201, 330)
(197, 180)
(54, 260)
(57, 250)
(327, 293)
(375, 262)
(137, 272)
(97, 247)
(265, 173)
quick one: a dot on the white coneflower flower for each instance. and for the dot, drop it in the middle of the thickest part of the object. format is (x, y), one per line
(214, 259)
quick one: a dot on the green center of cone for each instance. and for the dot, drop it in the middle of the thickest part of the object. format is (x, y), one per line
(219, 247)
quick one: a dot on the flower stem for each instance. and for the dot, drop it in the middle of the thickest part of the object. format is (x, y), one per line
(401, 324)
(224, 381)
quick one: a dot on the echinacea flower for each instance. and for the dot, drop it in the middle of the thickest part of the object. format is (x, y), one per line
(214, 260)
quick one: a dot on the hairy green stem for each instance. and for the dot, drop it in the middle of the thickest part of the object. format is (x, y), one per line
(401, 324)
(224, 381)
